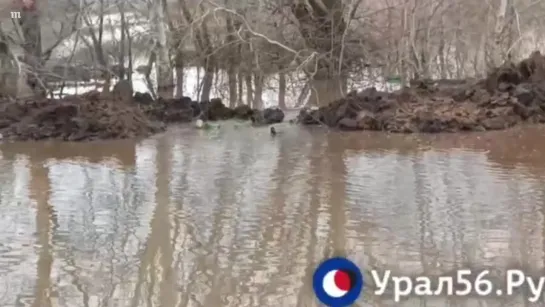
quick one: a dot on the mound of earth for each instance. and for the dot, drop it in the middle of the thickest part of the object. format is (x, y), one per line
(74, 118)
(511, 94)
(268, 116)
(117, 115)
(168, 110)
(184, 109)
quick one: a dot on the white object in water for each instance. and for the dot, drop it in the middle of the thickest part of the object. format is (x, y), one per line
(199, 123)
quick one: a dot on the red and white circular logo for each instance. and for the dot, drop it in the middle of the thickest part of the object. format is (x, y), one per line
(337, 283)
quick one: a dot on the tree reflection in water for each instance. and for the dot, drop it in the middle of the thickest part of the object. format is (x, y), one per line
(243, 219)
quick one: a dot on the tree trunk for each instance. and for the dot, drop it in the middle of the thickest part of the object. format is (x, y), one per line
(179, 82)
(207, 80)
(240, 88)
(179, 66)
(322, 25)
(282, 91)
(30, 25)
(249, 90)
(502, 33)
(258, 94)
(97, 39)
(232, 61)
(204, 47)
(232, 80)
(129, 54)
(303, 95)
(121, 60)
(152, 58)
(480, 55)
(9, 72)
(442, 52)
(165, 82)
(325, 91)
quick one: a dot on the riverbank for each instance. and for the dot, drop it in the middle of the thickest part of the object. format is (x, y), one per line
(510, 95)
(93, 116)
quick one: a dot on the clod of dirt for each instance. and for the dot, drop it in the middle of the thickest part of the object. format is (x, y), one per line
(511, 94)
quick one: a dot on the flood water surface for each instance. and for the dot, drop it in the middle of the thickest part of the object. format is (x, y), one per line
(236, 217)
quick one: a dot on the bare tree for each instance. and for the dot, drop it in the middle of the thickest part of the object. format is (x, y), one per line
(333, 44)
(165, 84)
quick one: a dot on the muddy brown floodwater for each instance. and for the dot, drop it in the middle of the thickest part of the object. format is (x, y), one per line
(235, 217)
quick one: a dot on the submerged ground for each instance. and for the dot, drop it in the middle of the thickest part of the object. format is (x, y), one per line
(236, 217)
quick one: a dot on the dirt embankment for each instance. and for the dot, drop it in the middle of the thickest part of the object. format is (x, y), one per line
(74, 118)
(118, 115)
(511, 94)
(185, 110)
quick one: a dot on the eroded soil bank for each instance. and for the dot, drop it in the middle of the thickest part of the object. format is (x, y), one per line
(74, 118)
(511, 94)
(95, 116)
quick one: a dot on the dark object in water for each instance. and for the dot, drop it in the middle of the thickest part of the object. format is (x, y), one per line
(273, 131)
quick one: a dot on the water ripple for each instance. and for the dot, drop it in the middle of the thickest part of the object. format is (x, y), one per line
(239, 218)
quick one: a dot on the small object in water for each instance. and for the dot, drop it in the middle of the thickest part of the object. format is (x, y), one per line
(199, 123)
(273, 131)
